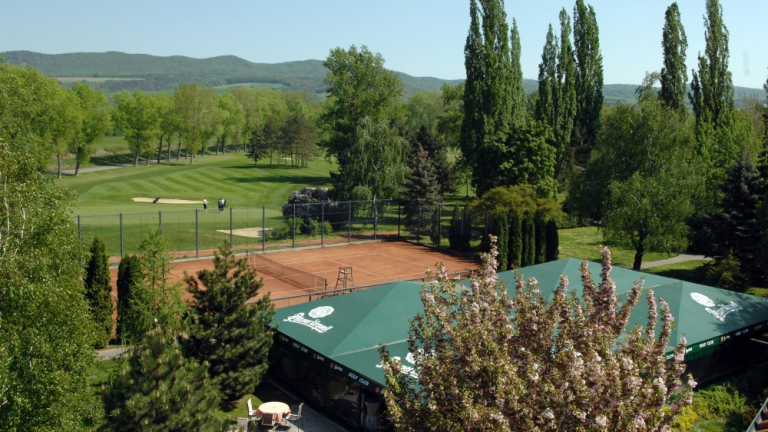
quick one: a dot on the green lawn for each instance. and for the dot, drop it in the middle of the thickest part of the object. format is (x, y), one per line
(584, 243)
(231, 176)
(690, 271)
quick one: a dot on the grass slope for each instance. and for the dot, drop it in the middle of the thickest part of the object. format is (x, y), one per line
(584, 243)
(231, 176)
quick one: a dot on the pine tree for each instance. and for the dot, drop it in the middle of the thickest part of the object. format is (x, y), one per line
(519, 111)
(160, 390)
(228, 335)
(515, 251)
(258, 147)
(152, 301)
(736, 227)
(712, 86)
(528, 256)
(98, 292)
(128, 275)
(501, 231)
(421, 190)
(589, 81)
(553, 241)
(674, 75)
(454, 232)
(437, 153)
(540, 236)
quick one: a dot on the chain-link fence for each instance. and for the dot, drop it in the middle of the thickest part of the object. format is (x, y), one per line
(196, 233)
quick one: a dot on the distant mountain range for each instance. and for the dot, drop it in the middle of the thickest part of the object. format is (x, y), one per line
(153, 73)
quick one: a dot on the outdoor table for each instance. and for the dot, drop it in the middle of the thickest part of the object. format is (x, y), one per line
(277, 409)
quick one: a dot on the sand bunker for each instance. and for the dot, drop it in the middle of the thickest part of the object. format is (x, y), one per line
(245, 232)
(167, 201)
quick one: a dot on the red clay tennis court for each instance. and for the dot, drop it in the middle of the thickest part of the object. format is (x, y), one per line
(371, 263)
(375, 262)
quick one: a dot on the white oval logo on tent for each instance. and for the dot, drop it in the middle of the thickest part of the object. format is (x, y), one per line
(320, 312)
(702, 299)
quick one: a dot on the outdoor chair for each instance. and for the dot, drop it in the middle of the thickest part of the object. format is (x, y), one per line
(268, 420)
(252, 414)
(295, 417)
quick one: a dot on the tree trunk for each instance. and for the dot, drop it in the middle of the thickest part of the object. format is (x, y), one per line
(138, 149)
(59, 157)
(160, 149)
(639, 252)
(77, 169)
(192, 159)
(178, 151)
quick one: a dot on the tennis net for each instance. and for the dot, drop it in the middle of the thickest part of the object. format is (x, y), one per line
(292, 276)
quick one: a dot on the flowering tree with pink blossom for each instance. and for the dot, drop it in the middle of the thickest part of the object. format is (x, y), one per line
(485, 361)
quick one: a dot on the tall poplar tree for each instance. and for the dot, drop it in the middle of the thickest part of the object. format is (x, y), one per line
(674, 76)
(556, 105)
(488, 93)
(565, 102)
(589, 80)
(98, 292)
(519, 111)
(712, 86)
(545, 104)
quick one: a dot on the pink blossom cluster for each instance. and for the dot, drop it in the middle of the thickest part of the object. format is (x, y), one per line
(487, 360)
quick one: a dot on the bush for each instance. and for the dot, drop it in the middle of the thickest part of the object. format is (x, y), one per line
(310, 227)
(282, 233)
(327, 227)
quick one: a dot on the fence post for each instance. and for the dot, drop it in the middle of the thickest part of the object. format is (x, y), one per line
(418, 226)
(440, 223)
(398, 219)
(263, 228)
(375, 218)
(231, 244)
(197, 233)
(294, 226)
(79, 233)
(160, 221)
(122, 250)
(322, 223)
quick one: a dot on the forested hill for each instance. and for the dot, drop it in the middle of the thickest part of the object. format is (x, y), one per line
(163, 73)
(153, 73)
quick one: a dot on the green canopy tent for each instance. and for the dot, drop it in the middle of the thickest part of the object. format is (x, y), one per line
(328, 349)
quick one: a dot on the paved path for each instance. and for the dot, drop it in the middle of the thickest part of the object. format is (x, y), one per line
(678, 259)
(111, 353)
(104, 168)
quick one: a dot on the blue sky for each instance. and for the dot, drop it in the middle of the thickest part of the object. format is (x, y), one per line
(421, 38)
